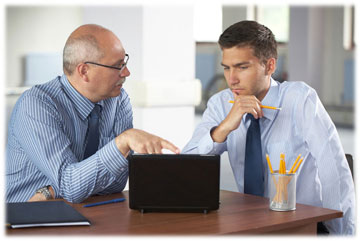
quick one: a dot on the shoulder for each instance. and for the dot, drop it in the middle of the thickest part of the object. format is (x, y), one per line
(39, 98)
(297, 93)
(296, 88)
(298, 98)
(302, 101)
(47, 92)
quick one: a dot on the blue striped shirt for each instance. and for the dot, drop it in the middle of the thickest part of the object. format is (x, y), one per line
(301, 127)
(47, 138)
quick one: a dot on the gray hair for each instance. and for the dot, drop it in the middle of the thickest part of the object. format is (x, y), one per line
(80, 49)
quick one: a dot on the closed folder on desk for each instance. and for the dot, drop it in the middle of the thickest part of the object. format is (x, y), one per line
(40, 214)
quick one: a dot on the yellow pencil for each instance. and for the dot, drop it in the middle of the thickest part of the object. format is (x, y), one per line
(284, 167)
(262, 106)
(269, 163)
(297, 166)
(297, 159)
(282, 163)
(270, 107)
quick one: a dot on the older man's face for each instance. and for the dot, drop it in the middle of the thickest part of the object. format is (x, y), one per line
(107, 82)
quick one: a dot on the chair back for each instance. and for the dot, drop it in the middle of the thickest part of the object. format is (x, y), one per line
(349, 159)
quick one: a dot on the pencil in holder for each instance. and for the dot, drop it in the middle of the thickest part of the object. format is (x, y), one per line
(282, 195)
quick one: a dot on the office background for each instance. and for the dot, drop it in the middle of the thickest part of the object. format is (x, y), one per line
(175, 60)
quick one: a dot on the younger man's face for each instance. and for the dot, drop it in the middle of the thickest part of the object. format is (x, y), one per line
(245, 74)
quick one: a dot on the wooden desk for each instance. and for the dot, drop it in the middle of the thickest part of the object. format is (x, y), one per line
(238, 214)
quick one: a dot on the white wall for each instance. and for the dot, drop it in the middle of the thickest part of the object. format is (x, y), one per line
(35, 29)
(121, 20)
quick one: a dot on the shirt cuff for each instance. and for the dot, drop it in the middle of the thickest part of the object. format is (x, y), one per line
(208, 146)
(112, 158)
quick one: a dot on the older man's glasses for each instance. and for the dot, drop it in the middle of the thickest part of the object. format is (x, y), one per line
(121, 68)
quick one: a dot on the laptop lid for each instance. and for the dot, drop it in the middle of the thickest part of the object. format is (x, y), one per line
(170, 182)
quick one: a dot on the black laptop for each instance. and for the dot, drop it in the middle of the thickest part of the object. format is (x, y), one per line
(174, 183)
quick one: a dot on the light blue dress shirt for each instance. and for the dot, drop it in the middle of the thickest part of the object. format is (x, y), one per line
(46, 141)
(301, 127)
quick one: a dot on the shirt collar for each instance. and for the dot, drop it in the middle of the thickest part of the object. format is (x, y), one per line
(82, 104)
(271, 99)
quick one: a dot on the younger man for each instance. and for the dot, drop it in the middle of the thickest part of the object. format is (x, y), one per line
(248, 132)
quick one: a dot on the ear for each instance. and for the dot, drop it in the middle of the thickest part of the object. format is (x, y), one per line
(270, 66)
(83, 70)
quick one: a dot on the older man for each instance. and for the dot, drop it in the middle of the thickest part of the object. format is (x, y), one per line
(69, 138)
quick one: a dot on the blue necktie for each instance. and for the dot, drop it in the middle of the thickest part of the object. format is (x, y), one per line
(253, 175)
(93, 132)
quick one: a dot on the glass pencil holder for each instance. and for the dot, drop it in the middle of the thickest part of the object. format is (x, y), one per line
(282, 195)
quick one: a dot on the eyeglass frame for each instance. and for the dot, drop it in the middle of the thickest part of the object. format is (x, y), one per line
(111, 67)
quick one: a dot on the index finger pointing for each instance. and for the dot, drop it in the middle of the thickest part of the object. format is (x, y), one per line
(169, 146)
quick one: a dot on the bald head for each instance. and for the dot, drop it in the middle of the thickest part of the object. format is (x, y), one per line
(84, 44)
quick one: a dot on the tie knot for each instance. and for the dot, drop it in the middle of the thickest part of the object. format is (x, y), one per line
(252, 118)
(96, 111)
(97, 108)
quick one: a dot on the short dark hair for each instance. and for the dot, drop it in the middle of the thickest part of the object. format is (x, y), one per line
(252, 34)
